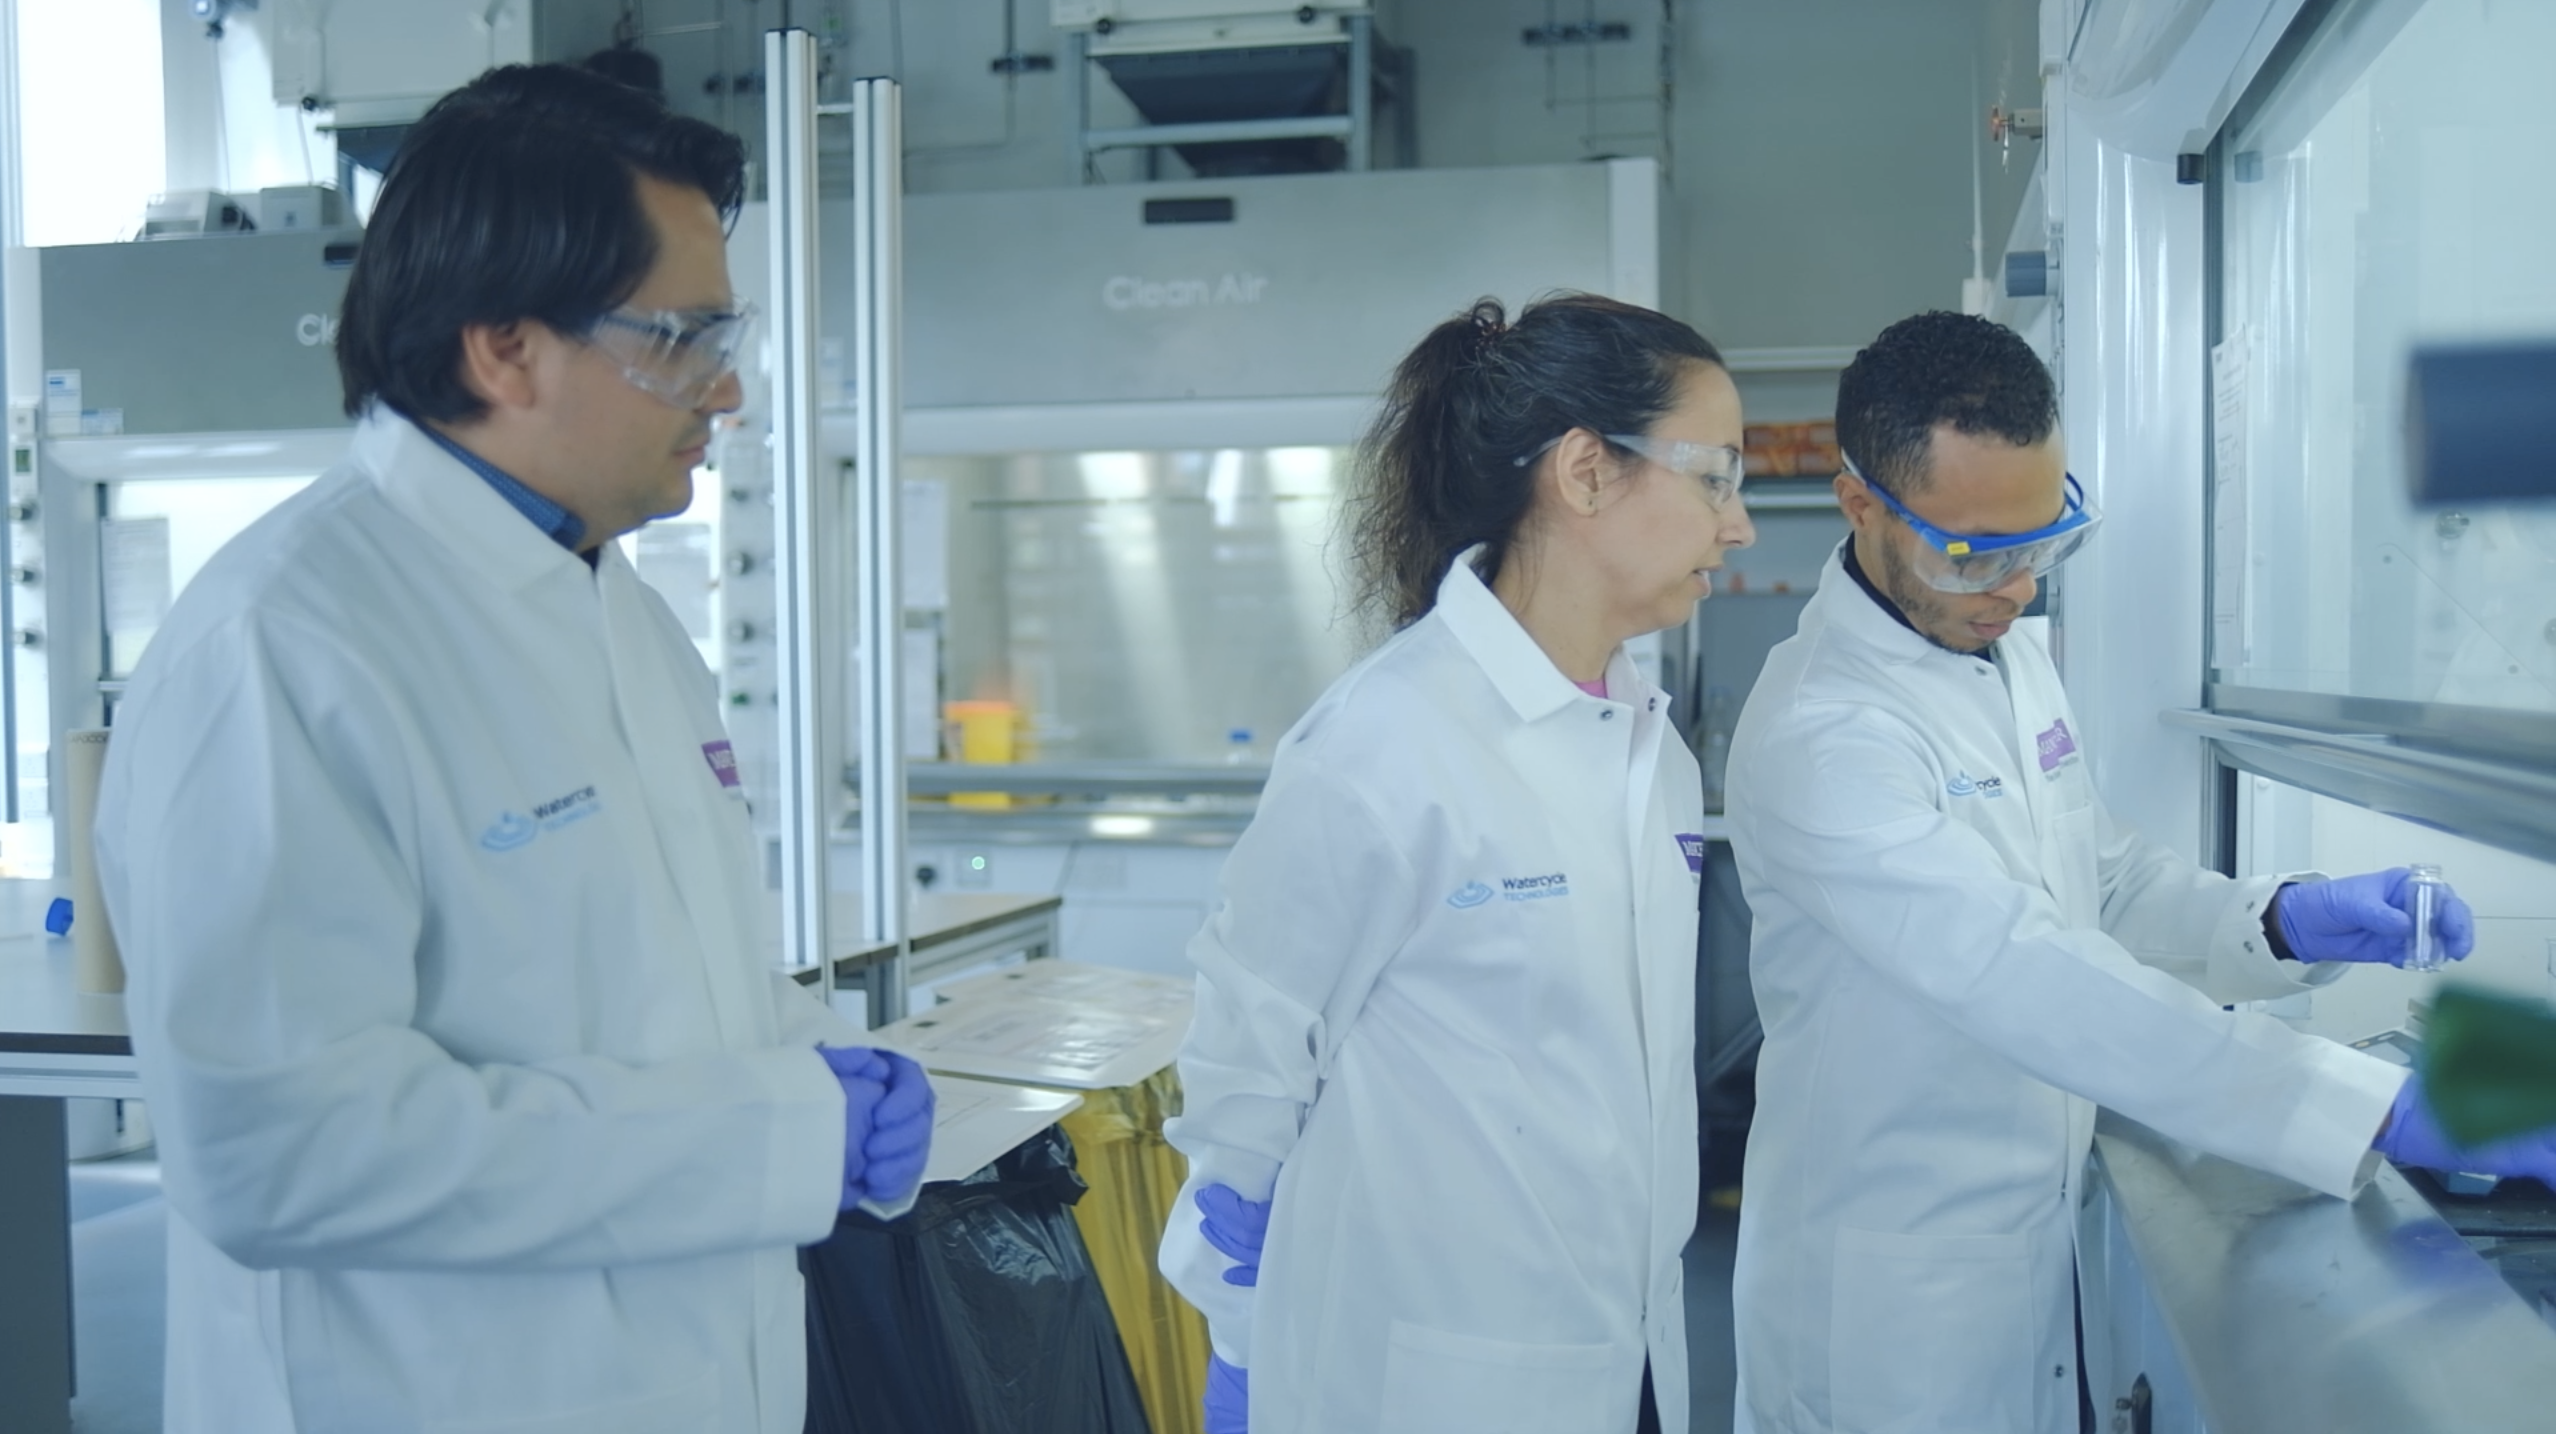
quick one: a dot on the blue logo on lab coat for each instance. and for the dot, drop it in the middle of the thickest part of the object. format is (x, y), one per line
(1962, 786)
(1535, 888)
(512, 830)
(560, 811)
(1469, 896)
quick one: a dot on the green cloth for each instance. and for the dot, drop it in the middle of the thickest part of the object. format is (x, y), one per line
(2489, 1065)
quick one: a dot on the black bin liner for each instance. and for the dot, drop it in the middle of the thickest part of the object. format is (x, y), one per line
(976, 1312)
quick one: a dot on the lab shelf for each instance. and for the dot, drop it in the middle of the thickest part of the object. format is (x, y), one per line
(1790, 495)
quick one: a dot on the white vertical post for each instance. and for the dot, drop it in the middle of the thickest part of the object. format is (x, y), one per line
(808, 782)
(878, 267)
(1076, 69)
(1362, 49)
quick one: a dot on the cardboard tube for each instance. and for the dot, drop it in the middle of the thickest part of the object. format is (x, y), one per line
(95, 963)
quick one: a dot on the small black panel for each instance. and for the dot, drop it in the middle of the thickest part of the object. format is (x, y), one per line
(1189, 211)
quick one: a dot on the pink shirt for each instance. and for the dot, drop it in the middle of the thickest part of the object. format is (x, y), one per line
(1594, 689)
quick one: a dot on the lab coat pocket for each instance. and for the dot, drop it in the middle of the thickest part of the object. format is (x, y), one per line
(1930, 1333)
(1464, 1384)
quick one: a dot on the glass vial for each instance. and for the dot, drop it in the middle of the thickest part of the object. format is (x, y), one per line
(2423, 888)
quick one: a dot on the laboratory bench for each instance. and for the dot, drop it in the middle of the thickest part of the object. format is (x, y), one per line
(952, 931)
(2220, 1297)
(1047, 803)
(2512, 1229)
(1161, 824)
(57, 1042)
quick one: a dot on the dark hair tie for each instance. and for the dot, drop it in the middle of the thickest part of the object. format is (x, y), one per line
(1487, 333)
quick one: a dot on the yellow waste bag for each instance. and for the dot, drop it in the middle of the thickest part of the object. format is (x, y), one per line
(1134, 1178)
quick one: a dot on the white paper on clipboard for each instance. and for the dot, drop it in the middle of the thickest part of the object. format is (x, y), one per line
(2230, 558)
(975, 1123)
(1113, 988)
(1072, 1045)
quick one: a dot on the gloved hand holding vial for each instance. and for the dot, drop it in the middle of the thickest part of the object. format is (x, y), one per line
(2405, 916)
(2424, 891)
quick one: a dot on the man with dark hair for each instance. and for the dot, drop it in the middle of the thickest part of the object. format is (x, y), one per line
(1958, 956)
(480, 1103)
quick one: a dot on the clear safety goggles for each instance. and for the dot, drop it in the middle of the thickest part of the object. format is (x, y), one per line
(1717, 466)
(677, 355)
(1978, 563)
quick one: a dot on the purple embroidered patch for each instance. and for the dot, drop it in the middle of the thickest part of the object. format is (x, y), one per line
(723, 761)
(1693, 846)
(2056, 745)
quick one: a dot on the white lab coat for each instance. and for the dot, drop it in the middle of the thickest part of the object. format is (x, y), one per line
(1957, 957)
(479, 1105)
(1446, 1006)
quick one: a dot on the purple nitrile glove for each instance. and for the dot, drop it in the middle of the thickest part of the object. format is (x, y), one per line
(864, 1079)
(1235, 1226)
(899, 1142)
(2414, 1137)
(2364, 918)
(1228, 1397)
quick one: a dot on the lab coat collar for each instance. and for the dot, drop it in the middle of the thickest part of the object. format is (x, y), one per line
(1527, 679)
(439, 494)
(1842, 604)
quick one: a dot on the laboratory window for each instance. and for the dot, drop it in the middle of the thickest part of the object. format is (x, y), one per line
(2382, 186)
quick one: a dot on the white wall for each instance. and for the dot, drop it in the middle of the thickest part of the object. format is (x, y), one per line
(1820, 150)
(225, 131)
(2133, 390)
(88, 127)
(965, 126)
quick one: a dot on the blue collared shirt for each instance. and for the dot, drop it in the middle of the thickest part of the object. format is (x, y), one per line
(557, 523)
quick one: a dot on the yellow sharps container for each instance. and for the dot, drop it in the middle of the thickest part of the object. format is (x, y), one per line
(987, 737)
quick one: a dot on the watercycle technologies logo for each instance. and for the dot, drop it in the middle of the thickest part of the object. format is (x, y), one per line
(1511, 888)
(1964, 785)
(513, 831)
(1534, 888)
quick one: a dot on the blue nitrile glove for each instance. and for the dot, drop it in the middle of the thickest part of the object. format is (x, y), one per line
(899, 1143)
(1235, 1226)
(2414, 1137)
(1228, 1395)
(864, 1079)
(2364, 918)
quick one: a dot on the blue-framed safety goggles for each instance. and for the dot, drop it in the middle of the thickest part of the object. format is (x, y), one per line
(1978, 563)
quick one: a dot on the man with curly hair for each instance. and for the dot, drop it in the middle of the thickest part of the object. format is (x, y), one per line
(1958, 956)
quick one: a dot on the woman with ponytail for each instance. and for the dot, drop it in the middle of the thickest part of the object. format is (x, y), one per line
(1440, 1089)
